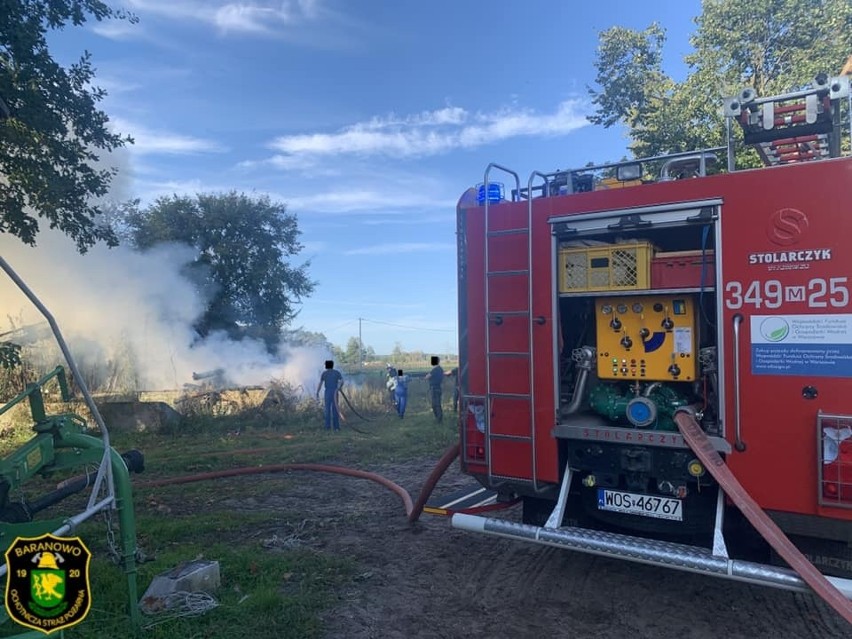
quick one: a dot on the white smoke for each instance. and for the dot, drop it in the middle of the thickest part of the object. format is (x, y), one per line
(117, 303)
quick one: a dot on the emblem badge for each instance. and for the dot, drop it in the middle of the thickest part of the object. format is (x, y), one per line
(786, 226)
(47, 585)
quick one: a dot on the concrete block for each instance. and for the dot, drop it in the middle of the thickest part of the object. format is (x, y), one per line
(193, 576)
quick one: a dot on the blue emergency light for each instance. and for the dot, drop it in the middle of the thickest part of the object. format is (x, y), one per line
(495, 193)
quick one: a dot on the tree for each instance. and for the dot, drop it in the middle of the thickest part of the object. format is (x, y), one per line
(354, 353)
(241, 267)
(338, 354)
(302, 337)
(51, 131)
(771, 45)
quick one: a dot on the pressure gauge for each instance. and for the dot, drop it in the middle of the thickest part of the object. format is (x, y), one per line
(606, 309)
(637, 307)
(622, 309)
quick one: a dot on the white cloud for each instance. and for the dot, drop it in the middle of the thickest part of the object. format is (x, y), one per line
(148, 141)
(117, 29)
(344, 201)
(402, 247)
(253, 17)
(429, 133)
(409, 220)
(248, 18)
(439, 117)
(392, 206)
(115, 85)
(149, 190)
(284, 162)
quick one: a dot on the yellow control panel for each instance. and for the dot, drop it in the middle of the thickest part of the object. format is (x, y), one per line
(646, 337)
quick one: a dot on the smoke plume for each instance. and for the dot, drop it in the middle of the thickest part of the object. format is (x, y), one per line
(132, 311)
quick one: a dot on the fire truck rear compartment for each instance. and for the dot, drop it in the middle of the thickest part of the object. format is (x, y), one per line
(628, 360)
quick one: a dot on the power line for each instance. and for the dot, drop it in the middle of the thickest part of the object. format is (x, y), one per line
(346, 323)
(414, 328)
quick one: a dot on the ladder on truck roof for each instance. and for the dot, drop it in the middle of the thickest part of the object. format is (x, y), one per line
(508, 334)
(793, 127)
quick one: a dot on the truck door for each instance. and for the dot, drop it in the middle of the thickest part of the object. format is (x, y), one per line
(787, 327)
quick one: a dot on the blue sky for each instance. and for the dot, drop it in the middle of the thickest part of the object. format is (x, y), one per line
(368, 118)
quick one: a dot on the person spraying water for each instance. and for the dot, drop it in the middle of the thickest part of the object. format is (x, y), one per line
(333, 380)
(401, 393)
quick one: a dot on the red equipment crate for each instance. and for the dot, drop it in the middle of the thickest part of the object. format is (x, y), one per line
(682, 269)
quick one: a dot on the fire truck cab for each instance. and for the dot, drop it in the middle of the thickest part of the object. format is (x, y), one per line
(598, 304)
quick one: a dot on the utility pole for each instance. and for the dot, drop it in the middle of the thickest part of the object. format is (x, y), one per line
(360, 346)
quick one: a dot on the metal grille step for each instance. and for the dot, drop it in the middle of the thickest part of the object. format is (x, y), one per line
(658, 553)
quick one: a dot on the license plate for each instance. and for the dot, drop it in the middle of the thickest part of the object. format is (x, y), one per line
(644, 505)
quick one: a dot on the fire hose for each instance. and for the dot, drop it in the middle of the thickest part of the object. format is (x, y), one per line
(412, 510)
(352, 408)
(280, 468)
(440, 468)
(768, 529)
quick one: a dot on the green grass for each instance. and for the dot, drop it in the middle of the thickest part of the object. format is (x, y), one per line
(263, 592)
(266, 591)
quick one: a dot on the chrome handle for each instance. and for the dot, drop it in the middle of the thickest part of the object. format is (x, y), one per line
(540, 320)
(739, 444)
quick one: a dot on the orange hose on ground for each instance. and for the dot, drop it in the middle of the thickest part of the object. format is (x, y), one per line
(279, 468)
(768, 529)
(434, 476)
(412, 511)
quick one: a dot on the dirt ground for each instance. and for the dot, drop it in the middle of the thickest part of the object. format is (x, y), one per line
(429, 580)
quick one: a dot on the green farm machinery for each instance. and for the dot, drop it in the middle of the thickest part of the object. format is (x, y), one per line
(60, 444)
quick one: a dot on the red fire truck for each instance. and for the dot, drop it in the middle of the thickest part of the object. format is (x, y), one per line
(598, 307)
